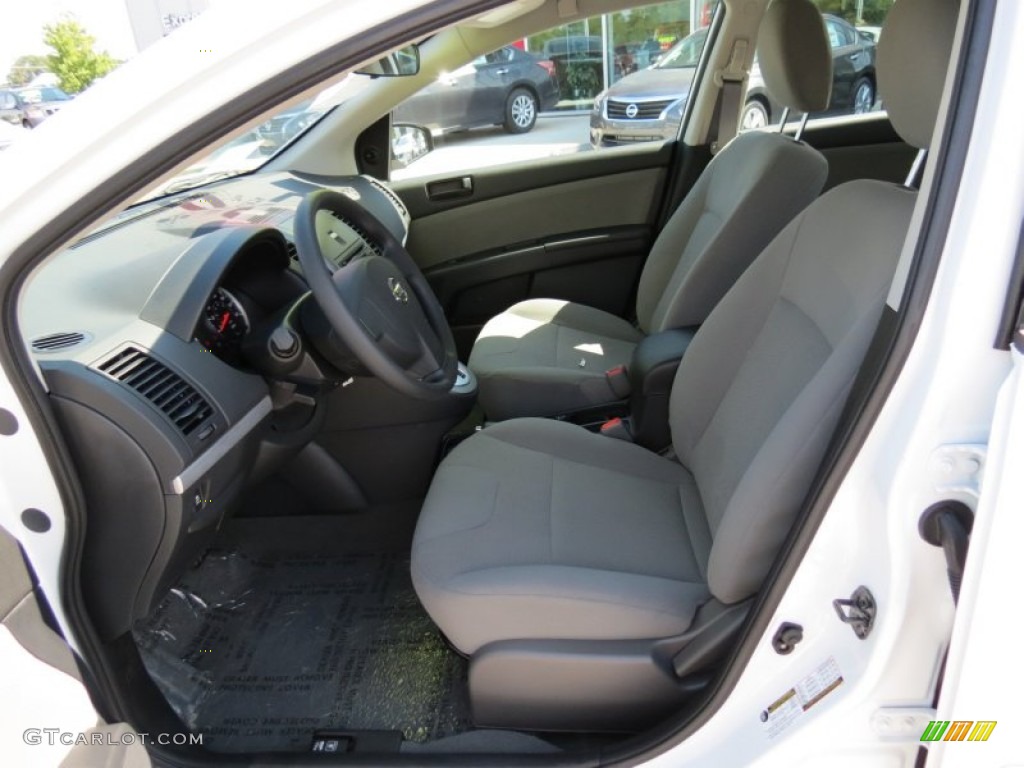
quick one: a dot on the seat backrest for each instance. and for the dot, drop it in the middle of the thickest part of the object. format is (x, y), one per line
(750, 190)
(762, 385)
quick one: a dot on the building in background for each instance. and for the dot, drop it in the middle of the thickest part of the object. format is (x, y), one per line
(591, 54)
(153, 19)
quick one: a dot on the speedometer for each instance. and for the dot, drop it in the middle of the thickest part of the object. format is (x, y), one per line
(223, 326)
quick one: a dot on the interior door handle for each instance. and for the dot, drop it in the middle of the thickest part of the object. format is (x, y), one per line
(448, 188)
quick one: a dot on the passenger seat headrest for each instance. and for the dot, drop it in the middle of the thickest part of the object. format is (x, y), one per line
(794, 54)
(913, 55)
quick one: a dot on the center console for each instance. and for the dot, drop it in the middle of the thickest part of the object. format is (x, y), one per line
(652, 371)
(645, 384)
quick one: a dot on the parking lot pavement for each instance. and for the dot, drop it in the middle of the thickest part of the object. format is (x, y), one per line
(481, 147)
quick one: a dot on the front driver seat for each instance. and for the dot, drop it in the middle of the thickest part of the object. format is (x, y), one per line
(545, 357)
(571, 567)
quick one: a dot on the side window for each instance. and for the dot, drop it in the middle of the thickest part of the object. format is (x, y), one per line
(846, 34)
(567, 89)
(500, 56)
(834, 39)
(853, 31)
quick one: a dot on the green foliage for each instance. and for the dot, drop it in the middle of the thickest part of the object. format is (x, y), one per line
(25, 68)
(583, 79)
(654, 21)
(74, 60)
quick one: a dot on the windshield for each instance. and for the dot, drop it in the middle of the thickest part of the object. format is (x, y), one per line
(37, 95)
(256, 147)
(685, 53)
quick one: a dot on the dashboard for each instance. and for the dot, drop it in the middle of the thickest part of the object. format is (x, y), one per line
(140, 331)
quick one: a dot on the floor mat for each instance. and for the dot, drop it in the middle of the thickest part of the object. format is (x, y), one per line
(258, 648)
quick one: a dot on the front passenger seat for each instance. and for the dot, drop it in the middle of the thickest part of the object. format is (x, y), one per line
(545, 357)
(587, 577)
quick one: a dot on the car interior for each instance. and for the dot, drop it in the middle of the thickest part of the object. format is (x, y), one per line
(492, 461)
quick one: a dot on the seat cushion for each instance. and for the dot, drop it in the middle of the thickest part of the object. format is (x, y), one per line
(545, 357)
(539, 529)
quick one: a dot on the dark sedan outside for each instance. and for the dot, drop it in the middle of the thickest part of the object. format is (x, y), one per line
(29, 106)
(648, 105)
(507, 87)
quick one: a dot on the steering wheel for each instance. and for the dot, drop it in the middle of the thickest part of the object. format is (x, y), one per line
(380, 305)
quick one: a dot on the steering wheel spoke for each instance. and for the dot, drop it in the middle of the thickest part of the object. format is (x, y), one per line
(432, 359)
(380, 305)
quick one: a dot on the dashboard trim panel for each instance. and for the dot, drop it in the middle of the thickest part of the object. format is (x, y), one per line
(207, 460)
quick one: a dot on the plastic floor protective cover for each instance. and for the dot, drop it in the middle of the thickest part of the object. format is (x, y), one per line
(294, 625)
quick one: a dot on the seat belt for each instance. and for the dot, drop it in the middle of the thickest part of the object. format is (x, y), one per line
(730, 83)
(728, 105)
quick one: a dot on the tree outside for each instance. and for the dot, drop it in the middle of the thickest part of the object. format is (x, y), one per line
(25, 68)
(75, 61)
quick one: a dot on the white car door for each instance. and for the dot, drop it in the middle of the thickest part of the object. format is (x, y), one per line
(46, 716)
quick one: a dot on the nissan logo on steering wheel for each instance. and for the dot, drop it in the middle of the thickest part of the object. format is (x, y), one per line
(398, 291)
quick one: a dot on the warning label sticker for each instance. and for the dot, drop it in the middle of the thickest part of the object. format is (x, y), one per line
(786, 709)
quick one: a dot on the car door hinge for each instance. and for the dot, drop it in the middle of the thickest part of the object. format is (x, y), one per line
(858, 611)
(901, 723)
(956, 471)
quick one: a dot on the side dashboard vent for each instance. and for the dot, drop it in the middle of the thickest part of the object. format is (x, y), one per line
(164, 388)
(395, 199)
(55, 341)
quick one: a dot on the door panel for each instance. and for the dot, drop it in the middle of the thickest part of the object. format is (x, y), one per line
(576, 228)
(532, 214)
(455, 92)
(44, 696)
(492, 81)
(600, 269)
(501, 181)
(842, 64)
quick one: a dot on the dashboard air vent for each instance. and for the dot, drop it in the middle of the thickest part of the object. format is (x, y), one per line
(402, 210)
(164, 388)
(293, 252)
(55, 341)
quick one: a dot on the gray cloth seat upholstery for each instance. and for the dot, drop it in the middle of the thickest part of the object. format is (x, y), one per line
(540, 529)
(537, 529)
(547, 356)
(746, 195)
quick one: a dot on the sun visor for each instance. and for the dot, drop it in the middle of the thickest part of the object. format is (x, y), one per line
(499, 16)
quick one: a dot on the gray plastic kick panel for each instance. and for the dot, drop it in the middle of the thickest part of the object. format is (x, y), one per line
(570, 685)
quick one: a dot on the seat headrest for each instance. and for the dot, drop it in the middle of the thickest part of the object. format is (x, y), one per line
(794, 54)
(913, 54)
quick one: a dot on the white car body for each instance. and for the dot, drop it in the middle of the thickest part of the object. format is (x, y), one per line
(10, 133)
(956, 396)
